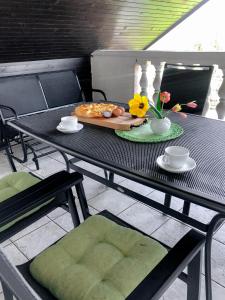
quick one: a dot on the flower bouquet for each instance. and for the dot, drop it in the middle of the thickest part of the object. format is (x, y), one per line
(140, 105)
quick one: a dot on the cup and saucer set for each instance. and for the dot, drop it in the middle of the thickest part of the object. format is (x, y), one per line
(176, 159)
(69, 124)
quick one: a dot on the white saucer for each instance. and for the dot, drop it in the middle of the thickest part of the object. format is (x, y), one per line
(190, 165)
(63, 130)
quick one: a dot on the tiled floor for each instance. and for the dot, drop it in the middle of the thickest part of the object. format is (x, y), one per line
(44, 232)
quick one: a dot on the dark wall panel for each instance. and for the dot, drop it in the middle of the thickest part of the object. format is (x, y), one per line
(50, 29)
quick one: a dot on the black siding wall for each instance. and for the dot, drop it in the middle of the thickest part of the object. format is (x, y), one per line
(53, 29)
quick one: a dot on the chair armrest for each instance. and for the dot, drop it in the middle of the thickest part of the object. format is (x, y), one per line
(169, 268)
(9, 108)
(100, 92)
(36, 195)
(13, 280)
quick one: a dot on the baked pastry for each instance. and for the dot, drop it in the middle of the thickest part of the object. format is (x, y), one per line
(93, 110)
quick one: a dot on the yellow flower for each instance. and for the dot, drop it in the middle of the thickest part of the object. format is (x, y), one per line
(176, 108)
(139, 105)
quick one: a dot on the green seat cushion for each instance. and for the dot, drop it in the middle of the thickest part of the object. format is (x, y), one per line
(98, 260)
(13, 184)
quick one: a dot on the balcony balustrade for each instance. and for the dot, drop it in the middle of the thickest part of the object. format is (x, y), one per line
(121, 73)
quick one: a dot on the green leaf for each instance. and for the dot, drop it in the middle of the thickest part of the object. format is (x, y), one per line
(158, 103)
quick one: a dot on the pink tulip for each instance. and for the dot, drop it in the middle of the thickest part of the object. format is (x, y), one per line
(165, 97)
(192, 104)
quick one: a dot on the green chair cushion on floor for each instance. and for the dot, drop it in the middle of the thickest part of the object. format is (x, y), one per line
(98, 260)
(11, 185)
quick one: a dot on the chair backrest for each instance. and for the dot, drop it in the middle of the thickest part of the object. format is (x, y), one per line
(23, 94)
(187, 83)
(34, 93)
(60, 88)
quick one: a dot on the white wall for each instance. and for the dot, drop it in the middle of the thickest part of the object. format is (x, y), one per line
(113, 71)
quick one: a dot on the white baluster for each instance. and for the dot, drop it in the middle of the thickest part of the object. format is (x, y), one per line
(144, 76)
(212, 92)
(159, 68)
(207, 102)
(220, 108)
(137, 78)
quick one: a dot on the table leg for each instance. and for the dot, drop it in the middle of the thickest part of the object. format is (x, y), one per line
(186, 208)
(167, 200)
(82, 200)
(106, 174)
(213, 225)
(111, 176)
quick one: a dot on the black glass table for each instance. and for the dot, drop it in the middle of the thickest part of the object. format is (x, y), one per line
(205, 185)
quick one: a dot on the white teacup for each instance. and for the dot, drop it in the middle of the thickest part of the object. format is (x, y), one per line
(68, 122)
(176, 156)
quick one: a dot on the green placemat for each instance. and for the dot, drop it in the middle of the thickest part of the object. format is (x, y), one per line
(144, 134)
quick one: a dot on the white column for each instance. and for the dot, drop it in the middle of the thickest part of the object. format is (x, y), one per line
(212, 92)
(137, 78)
(220, 108)
(159, 68)
(144, 76)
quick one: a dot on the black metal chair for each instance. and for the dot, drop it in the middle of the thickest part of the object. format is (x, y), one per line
(38, 199)
(4, 146)
(186, 83)
(186, 253)
(33, 93)
(21, 95)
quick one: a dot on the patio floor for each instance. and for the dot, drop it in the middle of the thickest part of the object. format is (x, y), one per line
(46, 231)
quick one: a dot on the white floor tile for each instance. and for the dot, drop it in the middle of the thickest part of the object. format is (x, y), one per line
(178, 291)
(14, 255)
(92, 187)
(56, 213)
(201, 214)
(89, 167)
(93, 211)
(38, 240)
(158, 196)
(65, 221)
(111, 200)
(218, 291)
(143, 217)
(5, 243)
(136, 187)
(58, 156)
(30, 228)
(218, 262)
(171, 232)
(117, 178)
(4, 169)
(48, 166)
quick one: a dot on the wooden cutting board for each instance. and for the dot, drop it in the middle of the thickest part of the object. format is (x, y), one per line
(124, 122)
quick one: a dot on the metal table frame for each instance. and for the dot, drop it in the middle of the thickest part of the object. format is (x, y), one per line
(188, 196)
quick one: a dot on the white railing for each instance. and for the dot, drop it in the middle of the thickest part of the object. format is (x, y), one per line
(119, 74)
